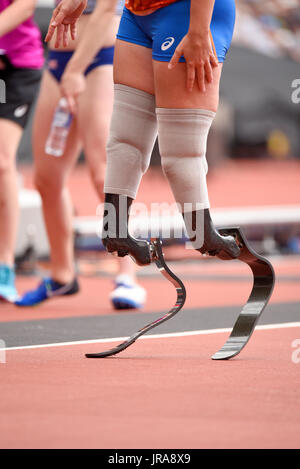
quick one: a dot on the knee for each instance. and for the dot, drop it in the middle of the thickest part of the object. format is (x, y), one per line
(181, 166)
(49, 184)
(126, 151)
(168, 164)
(6, 163)
(94, 144)
(179, 170)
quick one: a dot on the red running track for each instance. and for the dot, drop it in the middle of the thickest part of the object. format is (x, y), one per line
(161, 393)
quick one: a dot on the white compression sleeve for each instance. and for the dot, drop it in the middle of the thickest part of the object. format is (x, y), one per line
(182, 135)
(132, 136)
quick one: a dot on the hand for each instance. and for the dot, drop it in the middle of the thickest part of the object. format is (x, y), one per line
(200, 60)
(63, 21)
(72, 85)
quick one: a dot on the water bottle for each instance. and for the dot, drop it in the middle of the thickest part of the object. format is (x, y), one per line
(56, 142)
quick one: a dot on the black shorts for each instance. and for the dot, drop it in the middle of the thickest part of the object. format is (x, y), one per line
(18, 89)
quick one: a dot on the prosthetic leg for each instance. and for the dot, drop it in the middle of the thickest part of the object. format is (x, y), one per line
(115, 237)
(154, 247)
(214, 243)
(218, 243)
(263, 285)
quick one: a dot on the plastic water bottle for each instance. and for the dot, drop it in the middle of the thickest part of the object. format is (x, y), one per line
(56, 142)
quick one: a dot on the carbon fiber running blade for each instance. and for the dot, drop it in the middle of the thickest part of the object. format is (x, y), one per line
(263, 285)
(181, 297)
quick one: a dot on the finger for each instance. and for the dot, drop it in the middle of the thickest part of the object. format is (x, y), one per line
(57, 25)
(201, 78)
(208, 72)
(59, 35)
(69, 97)
(65, 35)
(71, 104)
(175, 59)
(214, 61)
(50, 33)
(191, 76)
(56, 19)
(52, 27)
(73, 29)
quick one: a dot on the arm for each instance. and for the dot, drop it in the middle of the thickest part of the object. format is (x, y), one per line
(201, 15)
(14, 15)
(196, 46)
(73, 80)
(94, 35)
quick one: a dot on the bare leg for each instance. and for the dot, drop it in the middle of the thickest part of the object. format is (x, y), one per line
(97, 101)
(10, 137)
(171, 91)
(51, 175)
(133, 66)
(94, 114)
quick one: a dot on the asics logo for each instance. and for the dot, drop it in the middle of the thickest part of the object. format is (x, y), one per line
(168, 43)
(21, 111)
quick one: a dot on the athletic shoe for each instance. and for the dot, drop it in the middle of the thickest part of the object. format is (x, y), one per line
(8, 290)
(47, 289)
(127, 295)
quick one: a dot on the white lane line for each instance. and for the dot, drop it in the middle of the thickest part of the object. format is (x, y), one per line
(154, 336)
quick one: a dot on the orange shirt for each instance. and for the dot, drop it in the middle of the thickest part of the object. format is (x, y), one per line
(143, 5)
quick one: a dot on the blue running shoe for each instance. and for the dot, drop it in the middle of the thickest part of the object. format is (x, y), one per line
(47, 289)
(8, 290)
(127, 295)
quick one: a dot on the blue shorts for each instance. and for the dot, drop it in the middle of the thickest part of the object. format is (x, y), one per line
(57, 61)
(163, 30)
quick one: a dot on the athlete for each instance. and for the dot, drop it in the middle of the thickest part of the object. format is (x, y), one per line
(167, 74)
(21, 60)
(81, 69)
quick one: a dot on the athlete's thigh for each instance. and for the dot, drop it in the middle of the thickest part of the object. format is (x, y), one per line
(94, 115)
(133, 66)
(171, 90)
(170, 85)
(48, 166)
